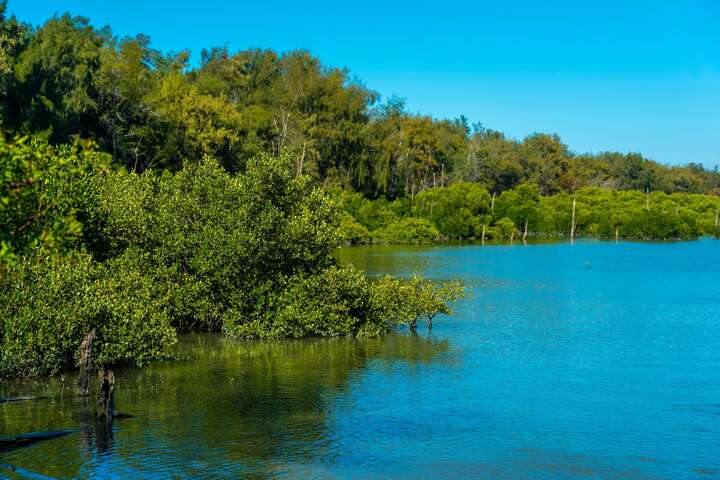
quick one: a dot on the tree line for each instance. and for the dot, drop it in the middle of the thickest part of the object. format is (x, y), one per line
(466, 210)
(156, 110)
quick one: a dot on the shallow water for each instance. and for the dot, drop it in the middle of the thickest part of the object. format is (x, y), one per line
(593, 360)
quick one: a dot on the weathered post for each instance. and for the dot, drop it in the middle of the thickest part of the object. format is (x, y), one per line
(106, 394)
(85, 361)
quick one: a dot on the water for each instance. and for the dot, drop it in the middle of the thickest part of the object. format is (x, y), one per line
(593, 360)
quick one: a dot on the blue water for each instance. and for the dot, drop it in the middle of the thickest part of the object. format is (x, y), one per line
(593, 360)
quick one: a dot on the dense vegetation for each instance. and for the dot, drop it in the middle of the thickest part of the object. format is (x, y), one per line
(141, 257)
(149, 109)
(468, 210)
(145, 196)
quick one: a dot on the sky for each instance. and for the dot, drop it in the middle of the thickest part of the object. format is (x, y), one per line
(630, 76)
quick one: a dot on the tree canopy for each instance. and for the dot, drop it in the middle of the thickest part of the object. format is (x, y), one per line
(151, 109)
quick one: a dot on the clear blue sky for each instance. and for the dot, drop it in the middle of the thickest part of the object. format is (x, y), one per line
(628, 75)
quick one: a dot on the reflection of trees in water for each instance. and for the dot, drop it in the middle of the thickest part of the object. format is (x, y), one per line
(388, 259)
(240, 408)
(62, 457)
(96, 433)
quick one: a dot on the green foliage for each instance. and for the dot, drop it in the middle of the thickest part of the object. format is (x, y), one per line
(47, 308)
(53, 90)
(157, 253)
(504, 229)
(521, 205)
(153, 110)
(404, 302)
(455, 210)
(352, 232)
(224, 242)
(43, 192)
(462, 211)
(335, 301)
(408, 231)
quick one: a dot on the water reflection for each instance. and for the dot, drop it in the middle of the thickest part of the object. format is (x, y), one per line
(255, 410)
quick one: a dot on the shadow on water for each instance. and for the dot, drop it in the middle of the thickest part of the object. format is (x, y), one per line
(251, 409)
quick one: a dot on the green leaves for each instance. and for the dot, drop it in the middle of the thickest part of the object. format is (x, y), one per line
(48, 306)
(405, 302)
(43, 192)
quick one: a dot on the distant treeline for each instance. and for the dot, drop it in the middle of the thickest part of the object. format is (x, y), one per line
(154, 110)
(469, 211)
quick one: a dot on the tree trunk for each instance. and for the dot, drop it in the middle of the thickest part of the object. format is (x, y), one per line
(572, 223)
(482, 238)
(647, 198)
(492, 204)
(525, 232)
(85, 361)
(617, 232)
(302, 161)
(716, 217)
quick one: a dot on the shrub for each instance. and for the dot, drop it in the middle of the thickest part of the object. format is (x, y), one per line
(405, 302)
(47, 308)
(352, 232)
(333, 302)
(504, 228)
(409, 231)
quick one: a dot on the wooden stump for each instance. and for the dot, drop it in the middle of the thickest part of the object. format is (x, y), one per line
(106, 394)
(85, 361)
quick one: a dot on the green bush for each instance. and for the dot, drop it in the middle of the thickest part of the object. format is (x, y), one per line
(404, 302)
(455, 210)
(47, 308)
(409, 231)
(503, 229)
(45, 192)
(200, 249)
(352, 232)
(333, 302)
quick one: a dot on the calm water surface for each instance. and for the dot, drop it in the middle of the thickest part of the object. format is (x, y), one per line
(593, 360)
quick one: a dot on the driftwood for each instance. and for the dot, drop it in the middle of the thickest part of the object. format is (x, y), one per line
(85, 361)
(17, 441)
(106, 394)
